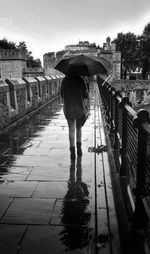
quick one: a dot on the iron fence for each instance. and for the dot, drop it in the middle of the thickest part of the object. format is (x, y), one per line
(131, 132)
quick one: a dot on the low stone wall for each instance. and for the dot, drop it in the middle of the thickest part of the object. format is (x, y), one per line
(4, 108)
(18, 97)
(138, 91)
(126, 84)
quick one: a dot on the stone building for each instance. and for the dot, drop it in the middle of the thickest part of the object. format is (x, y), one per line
(113, 57)
(49, 60)
(81, 47)
(107, 52)
(12, 63)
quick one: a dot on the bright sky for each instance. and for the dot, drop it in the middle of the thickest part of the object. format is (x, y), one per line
(50, 25)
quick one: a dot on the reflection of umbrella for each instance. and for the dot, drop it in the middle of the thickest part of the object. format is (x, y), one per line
(82, 65)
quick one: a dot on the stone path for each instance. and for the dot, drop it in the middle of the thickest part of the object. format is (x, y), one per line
(47, 202)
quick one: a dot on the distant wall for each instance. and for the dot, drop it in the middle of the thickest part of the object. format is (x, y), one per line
(138, 91)
(19, 97)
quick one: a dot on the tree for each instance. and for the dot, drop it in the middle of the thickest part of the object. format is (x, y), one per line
(145, 44)
(130, 50)
(38, 63)
(146, 30)
(33, 63)
(5, 44)
(23, 47)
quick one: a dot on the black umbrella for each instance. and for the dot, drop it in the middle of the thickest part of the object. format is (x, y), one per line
(82, 65)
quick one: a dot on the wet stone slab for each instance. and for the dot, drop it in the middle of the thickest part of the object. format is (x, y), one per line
(4, 204)
(48, 176)
(12, 174)
(62, 151)
(55, 144)
(31, 143)
(10, 177)
(33, 161)
(56, 240)
(51, 137)
(17, 189)
(51, 173)
(29, 211)
(10, 237)
(15, 170)
(51, 190)
(36, 152)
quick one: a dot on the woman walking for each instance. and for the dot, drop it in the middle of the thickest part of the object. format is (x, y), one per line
(74, 93)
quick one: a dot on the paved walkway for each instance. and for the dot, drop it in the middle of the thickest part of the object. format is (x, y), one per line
(47, 203)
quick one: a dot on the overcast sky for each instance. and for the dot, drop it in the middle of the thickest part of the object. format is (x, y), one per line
(50, 25)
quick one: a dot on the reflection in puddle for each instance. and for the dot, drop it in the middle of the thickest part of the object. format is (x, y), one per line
(75, 212)
(20, 137)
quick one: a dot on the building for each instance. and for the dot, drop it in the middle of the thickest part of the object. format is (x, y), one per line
(49, 60)
(107, 52)
(81, 47)
(12, 63)
(113, 57)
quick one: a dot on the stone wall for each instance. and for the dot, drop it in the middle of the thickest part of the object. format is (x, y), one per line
(32, 93)
(138, 91)
(18, 97)
(42, 87)
(4, 108)
(116, 65)
(12, 63)
(50, 61)
(12, 68)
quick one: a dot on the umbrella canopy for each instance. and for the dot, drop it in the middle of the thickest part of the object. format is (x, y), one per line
(82, 65)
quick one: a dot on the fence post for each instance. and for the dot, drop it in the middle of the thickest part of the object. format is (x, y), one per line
(140, 220)
(122, 104)
(116, 142)
(112, 93)
(107, 98)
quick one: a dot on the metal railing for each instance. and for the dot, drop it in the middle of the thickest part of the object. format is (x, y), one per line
(131, 143)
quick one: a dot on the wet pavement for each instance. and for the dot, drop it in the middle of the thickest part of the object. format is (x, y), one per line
(49, 204)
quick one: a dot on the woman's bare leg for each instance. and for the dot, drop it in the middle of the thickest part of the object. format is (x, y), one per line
(78, 134)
